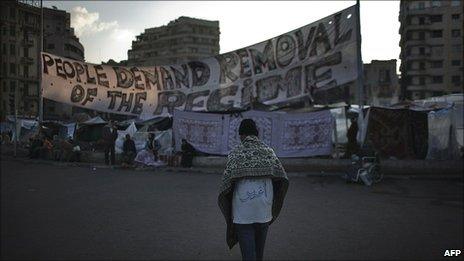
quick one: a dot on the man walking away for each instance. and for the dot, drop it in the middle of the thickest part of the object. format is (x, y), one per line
(109, 135)
(252, 192)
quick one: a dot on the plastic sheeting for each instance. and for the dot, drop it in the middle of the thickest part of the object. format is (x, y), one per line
(140, 139)
(442, 135)
(70, 127)
(458, 111)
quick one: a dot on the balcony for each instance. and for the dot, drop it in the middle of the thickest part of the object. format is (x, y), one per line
(27, 42)
(415, 42)
(27, 60)
(416, 56)
(425, 11)
(417, 72)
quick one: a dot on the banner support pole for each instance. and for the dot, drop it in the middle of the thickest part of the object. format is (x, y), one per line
(360, 80)
(39, 64)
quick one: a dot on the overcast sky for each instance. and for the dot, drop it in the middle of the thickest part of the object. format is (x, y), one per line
(107, 28)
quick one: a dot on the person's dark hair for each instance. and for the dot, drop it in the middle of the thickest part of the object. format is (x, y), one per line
(128, 136)
(248, 127)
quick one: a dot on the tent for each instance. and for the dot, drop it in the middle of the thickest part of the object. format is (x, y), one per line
(90, 130)
(140, 139)
(398, 133)
(26, 128)
(442, 142)
(157, 123)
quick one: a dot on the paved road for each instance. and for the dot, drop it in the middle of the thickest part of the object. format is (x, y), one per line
(57, 212)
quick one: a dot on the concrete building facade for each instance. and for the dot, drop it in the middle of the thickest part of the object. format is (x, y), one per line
(431, 48)
(20, 49)
(182, 40)
(20, 44)
(59, 39)
(381, 83)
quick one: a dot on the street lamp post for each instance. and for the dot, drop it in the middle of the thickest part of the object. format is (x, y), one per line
(39, 64)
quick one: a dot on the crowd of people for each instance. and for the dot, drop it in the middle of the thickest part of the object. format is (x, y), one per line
(46, 146)
(148, 156)
(58, 149)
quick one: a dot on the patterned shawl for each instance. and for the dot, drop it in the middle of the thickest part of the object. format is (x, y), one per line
(252, 158)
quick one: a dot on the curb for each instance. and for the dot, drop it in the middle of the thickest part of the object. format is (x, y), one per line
(216, 170)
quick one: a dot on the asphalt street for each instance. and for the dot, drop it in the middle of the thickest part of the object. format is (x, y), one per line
(57, 212)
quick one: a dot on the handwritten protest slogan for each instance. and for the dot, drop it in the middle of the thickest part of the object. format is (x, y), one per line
(319, 56)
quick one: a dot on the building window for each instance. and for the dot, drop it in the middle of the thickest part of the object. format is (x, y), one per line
(12, 49)
(26, 52)
(12, 30)
(4, 49)
(32, 90)
(421, 80)
(12, 86)
(50, 46)
(456, 79)
(384, 76)
(422, 65)
(455, 16)
(421, 35)
(456, 33)
(12, 13)
(421, 20)
(456, 62)
(437, 50)
(12, 69)
(455, 2)
(421, 50)
(436, 18)
(437, 33)
(421, 5)
(456, 47)
(436, 3)
(437, 64)
(26, 71)
(437, 79)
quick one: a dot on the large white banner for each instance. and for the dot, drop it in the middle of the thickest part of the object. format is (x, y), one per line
(311, 62)
(289, 134)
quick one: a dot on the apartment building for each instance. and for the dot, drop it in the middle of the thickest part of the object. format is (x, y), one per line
(20, 44)
(59, 39)
(381, 83)
(182, 40)
(431, 48)
(20, 49)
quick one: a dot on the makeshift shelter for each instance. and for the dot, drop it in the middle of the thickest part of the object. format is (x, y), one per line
(157, 123)
(399, 133)
(442, 143)
(26, 128)
(290, 134)
(90, 130)
(140, 139)
(131, 130)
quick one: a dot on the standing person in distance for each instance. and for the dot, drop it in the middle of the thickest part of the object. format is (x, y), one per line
(252, 192)
(109, 135)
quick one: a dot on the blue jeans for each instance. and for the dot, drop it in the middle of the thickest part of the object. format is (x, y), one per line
(251, 238)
